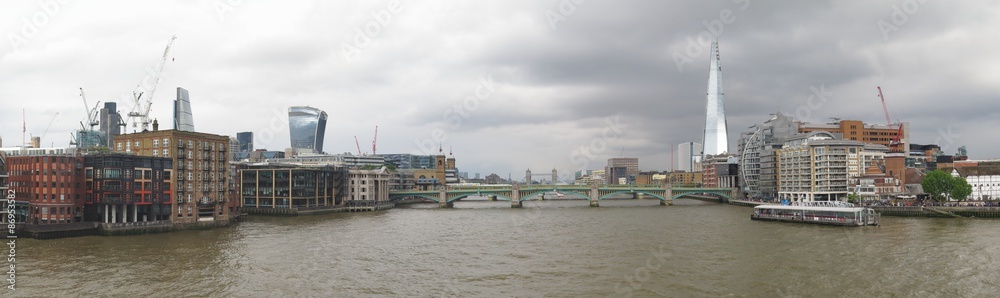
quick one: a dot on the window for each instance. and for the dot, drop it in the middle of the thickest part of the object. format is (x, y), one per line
(156, 153)
(119, 146)
(136, 144)
(166, 152)
(166, 142)
(156, 143)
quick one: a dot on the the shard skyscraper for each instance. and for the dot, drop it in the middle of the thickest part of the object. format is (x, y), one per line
(716, 135)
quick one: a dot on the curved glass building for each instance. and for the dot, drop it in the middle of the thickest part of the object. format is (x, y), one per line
(306, 128)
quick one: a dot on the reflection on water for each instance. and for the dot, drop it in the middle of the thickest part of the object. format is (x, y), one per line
(547, 248)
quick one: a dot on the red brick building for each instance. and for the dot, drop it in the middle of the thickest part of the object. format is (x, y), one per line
(50, 185)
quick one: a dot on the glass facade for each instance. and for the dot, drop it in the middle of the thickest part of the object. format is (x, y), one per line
(306, 127)
(183, 117)
(109, 123)
(245, 140)
(716, 135)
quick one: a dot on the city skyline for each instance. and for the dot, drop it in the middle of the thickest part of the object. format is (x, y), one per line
(548, 81)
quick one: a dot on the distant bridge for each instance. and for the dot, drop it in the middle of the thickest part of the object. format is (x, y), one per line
(516, 193)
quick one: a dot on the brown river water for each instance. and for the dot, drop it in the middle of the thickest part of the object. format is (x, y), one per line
(548, 248)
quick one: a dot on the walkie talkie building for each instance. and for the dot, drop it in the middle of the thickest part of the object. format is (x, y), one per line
(306, 128)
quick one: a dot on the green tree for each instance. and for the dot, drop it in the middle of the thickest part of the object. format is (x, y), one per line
(937, 184)
(940, 185)
(853, 197)
(960, 189)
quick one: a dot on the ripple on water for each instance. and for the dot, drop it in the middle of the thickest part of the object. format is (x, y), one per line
(548, 248)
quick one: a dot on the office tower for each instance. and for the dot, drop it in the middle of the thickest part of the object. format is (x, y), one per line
(688, 154)
(110, 121)
(246, 141)
(183, 118)
(306, 127)
(716, 136)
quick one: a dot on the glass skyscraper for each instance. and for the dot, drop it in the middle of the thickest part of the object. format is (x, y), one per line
(183, 118)
(716, 135)
(245, 140)
(110, 122)
(306, 128)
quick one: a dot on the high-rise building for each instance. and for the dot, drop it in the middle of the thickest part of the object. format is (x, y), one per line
(110, 123)
(306, 127)
(716, 135)
(621, 167)
(183, 117)
(688, 154)
(246, 141)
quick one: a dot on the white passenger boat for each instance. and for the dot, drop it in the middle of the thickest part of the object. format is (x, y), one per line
(825, 213)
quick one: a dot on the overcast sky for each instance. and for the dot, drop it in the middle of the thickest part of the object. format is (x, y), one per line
(509, 85)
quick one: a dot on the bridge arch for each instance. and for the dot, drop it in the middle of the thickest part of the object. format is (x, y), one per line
(430, 197)
(722, 192)
(625, 191)
(526, 195)
(466, 195)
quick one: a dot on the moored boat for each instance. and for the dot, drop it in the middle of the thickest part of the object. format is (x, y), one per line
(826, 213)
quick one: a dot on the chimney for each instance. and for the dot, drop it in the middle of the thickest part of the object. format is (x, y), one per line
(156, 125)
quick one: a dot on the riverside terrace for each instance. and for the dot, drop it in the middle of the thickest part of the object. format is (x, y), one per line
(516, 193)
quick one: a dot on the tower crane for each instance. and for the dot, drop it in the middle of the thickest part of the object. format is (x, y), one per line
(375, 140)
(895, 143)
(47, 127)
(142, 106)
(91, 112)
(357, 144)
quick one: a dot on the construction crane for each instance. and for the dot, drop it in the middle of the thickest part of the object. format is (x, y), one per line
(375, 140)
(895, 142)
(357, 144)
(47, 127)
(92, 119)
(142, 107)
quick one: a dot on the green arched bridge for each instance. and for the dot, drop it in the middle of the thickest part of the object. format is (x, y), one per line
(595, 193)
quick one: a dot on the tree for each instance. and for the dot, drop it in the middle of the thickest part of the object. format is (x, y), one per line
(853, 197)
(940, 185)
(961, 189)
(937, 184)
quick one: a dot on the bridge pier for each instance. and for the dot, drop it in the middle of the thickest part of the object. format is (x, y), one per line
(516, 204)
(491, 197)
(668, 195)
(443, 203)
(595, 196)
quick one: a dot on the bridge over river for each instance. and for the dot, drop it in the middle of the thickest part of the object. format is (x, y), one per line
(517, 193)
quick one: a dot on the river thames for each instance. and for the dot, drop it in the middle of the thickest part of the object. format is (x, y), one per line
(548, 248)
